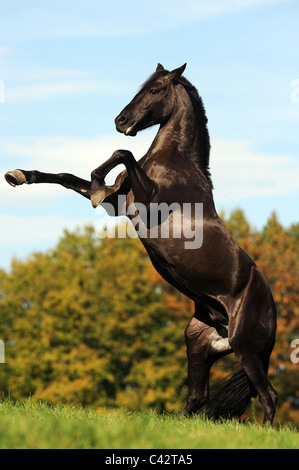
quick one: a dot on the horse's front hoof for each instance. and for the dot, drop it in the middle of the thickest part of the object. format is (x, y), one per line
(15, 178)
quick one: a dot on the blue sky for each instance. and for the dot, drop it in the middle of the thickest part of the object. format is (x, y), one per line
(68, 67)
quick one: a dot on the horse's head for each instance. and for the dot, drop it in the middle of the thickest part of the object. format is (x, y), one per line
(152, 105)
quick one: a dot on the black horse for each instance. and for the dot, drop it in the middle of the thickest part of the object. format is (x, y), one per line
(234, 307)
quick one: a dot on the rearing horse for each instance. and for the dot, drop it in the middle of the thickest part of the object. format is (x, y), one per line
(234, 308)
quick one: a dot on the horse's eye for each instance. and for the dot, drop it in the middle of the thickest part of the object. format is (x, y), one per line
(153, 91)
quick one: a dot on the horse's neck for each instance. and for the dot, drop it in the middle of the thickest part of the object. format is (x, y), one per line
(179, 136)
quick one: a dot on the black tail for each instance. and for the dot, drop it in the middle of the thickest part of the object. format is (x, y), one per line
(230, 397)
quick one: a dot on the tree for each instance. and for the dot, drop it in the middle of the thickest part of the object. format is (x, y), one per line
(275, 251)
(92, 322)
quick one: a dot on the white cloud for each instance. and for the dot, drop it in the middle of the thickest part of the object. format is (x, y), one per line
(16, 70)
(48, 90)
(91, 18)
(239, 173)
(191, 10)
(21, 230)
(27, 82)
(58, 154)
(6, 51)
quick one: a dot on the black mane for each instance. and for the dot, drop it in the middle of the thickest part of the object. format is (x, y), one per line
(199, 112)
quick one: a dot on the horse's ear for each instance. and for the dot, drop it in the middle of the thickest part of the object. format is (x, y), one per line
(176, 73)
(159, 68)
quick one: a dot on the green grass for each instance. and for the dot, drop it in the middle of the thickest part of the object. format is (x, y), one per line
(31, 425)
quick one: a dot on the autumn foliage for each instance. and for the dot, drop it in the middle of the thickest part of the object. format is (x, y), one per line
(91, 322)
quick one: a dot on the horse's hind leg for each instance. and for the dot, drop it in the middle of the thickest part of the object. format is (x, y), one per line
(198, 346)
(256, 368)
(252, 336)
(204, 346)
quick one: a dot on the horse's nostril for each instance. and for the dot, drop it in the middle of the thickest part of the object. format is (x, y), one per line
(122, 119)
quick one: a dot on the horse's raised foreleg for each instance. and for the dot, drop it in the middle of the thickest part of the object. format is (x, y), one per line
(18, 177)
(143, 187)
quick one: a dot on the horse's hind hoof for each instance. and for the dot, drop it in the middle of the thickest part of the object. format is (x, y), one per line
(15, 178)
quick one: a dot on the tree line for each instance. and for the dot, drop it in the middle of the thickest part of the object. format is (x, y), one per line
(92, 322)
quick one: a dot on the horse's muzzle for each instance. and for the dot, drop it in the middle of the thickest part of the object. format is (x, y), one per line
(124, 125)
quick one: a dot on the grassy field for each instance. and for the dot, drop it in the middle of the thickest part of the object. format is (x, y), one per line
(31, 425)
